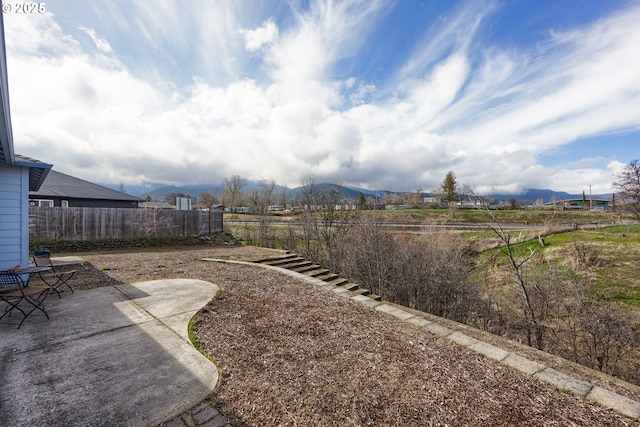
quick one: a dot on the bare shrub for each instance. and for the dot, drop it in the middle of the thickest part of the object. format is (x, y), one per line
(607, 335)
(584, 257)
(428, 273)
(369, 255)
(289, 237)
(602, 335)
(435, 271)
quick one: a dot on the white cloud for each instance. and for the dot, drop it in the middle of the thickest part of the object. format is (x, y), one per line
(100, 43)
(36, 34)
(486, 112)
(261, 36)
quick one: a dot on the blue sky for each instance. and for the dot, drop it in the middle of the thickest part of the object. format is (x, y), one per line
(388, 95)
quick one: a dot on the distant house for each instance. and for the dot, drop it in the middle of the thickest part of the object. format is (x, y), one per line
(67, 191)
(432, 199)
(18, 176)
(156, 205)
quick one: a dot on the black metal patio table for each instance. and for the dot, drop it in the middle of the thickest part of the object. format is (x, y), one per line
(14, 290)
(32, 271)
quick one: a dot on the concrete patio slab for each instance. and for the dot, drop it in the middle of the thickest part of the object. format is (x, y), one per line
(108, 356)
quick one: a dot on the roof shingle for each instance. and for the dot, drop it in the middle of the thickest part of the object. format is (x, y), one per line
(57, 184)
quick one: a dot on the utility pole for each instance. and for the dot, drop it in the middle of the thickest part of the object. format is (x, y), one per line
(590, 198)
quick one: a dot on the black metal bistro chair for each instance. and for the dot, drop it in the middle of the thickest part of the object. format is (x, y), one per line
(32, 296)
(56, 278)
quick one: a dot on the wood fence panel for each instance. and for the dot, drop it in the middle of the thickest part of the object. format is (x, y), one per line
(57, 223)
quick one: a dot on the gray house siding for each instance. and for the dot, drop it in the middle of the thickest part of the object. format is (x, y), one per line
(87, 203)
(14, 216)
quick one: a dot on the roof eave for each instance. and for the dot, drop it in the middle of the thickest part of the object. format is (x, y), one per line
(37, 171)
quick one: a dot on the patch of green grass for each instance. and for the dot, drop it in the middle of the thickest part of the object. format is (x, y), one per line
(610, 285)
(192, 335)
(614, 278)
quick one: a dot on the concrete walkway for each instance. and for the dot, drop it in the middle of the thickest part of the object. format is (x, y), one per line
(113, 356)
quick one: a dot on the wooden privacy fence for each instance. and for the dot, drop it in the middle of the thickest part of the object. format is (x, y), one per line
(51, 224)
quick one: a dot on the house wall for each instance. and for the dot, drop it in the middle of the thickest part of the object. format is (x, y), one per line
(88, 203)
(94, 203)
(14, 216)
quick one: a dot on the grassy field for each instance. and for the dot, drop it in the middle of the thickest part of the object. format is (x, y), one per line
(474, 216)
(614, 253)
(609, 258)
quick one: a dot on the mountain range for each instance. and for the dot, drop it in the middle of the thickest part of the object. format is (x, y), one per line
(160, 192)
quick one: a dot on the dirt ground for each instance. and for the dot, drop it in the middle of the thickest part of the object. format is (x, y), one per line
(293, 354)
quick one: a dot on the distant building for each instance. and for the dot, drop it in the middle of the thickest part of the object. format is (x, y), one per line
(183, 203)
(59, 189)
(432, 200)
(156, 205)
(238, 209)
(595, 204)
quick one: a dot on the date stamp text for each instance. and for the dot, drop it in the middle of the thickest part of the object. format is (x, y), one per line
(23, 8)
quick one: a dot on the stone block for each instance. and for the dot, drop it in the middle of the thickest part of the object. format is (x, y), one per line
(522, 364)
(564, 382)
(620, 404)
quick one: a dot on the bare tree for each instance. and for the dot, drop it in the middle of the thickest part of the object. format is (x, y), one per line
(628, 184)
(533, 289)
(306, 219)
(393, 199)
(261, 200)
(323, 222)
(332, 222)
(232, 190)
(283, 196)
(418, 197)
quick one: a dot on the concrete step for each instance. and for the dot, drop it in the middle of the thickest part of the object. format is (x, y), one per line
(283, 262)
(360, 291)
(350, 286)
(328, 277)
(339, 282)
(275, 259)
(317, 273)
(307, 268)
(301, 265)
(295, 264)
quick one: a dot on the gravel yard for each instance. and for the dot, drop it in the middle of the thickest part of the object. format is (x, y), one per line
(297, 355)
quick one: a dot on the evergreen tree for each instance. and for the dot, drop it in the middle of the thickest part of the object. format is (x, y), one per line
(450, 187)
(361, 200)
